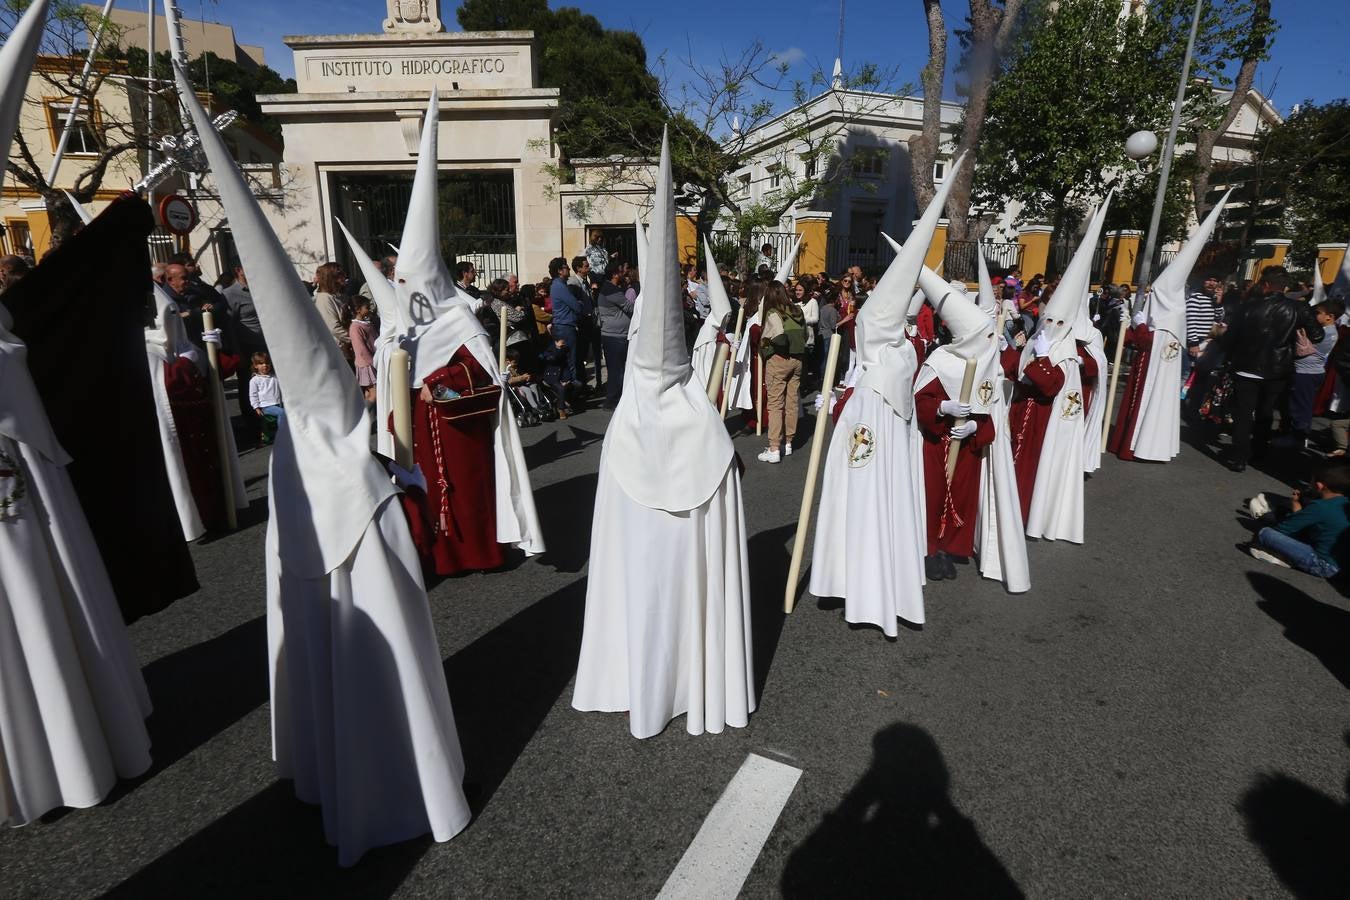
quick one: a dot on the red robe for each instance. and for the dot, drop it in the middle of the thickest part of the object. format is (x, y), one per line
(1327, 391)
(1088, 374)
(454, 525)
(192, 419)
(1141, 338)
(952, 509)
(1033, 404)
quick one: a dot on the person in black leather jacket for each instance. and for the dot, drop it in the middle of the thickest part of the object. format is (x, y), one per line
(1260, 347)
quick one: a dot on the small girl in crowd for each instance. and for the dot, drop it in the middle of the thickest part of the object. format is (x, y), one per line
(362, 335)
(264, 392)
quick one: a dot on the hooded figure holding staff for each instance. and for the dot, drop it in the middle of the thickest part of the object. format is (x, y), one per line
(1148, 425)
(870, 490)
(713, 330)
(667, 627)
(1048, 415)
(478, 497)
(361, 718)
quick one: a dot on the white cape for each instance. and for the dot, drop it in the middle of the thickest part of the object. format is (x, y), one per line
(1096, 413)
(742, 392)
(72, 698)
(1056, 512)
(667, 629)
(702, 359)
(1157, 425)
(342, 646)
(174, 465)
(1000, 542)
(867, 505)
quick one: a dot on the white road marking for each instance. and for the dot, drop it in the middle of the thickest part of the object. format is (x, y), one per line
(724, 851)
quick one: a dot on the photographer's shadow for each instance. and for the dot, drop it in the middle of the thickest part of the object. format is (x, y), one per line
(897, 828)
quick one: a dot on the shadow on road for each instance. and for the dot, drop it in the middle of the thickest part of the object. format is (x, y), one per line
(897, 833)
(504, 684)
(1302, 832)
(1320, 628)
(769, 557)
(552, 447)
(565, 512)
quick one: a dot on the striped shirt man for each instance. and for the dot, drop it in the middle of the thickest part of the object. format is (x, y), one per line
(1202, 314)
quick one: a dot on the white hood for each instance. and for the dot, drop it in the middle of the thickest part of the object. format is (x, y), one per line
(988, 299)
(880, 326)
(326, 486)
(1319, 294)
(718, 300)
(666, 445)
(1341, 286)
(972, 338)
(785, 269)
(1059, 316)
(1167, 309)
(1083, 329)
(16, 64)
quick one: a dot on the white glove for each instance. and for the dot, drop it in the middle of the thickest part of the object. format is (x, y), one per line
(964, 429)
(506, 375)
(1041, 345)
(1096, 319)
(212, 336)
(408, 478)
(954, 408)
(1002, 343)
(820, 401)
(1139, 318)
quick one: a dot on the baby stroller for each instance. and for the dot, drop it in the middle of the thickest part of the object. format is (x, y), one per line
(532, 404)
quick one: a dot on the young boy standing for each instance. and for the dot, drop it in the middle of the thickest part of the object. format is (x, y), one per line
(1307, 539)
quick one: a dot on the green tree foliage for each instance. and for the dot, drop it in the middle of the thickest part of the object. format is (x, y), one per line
(1077, 80)
(601, 74)
(1305, 171)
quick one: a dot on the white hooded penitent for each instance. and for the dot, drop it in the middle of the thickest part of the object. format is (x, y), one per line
(1059, 316)
(361, 718)
(667, 627)
(705, 344)
(987, 299)
(72, 698)
(972, 338)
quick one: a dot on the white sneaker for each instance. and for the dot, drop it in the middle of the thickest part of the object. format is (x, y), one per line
(770, 456)
(1257, 553)
(787, 449)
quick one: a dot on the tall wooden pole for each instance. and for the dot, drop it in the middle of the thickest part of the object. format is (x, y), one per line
(501, 339)
(759, 392)
(812, 470)
(954, 445)
(221, 421)
(400, 391)
(715, 376)
(726, 389)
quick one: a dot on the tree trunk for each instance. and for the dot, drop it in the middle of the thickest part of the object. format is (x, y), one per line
(924, 145)
(1205, 139)
(990, 30)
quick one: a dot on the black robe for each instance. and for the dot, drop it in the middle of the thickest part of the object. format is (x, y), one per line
(82, 313)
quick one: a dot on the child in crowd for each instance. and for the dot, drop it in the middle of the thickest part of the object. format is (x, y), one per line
(554, 358)
(1310, 536)
(362, 334)
(525, 385)
(264, 393)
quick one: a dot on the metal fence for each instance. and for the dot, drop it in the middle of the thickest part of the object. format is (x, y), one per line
(727, 250)
(843, 251)
(492, 255)
(960, 258)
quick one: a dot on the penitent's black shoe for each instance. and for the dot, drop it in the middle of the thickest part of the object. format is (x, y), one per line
(948, 565)
(933, 568)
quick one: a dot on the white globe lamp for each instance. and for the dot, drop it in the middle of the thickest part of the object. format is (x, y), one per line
(1141, 145)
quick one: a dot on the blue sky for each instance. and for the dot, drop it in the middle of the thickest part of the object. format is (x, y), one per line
(1307, 62)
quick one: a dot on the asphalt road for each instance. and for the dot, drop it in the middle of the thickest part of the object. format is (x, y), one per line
(1161, 716)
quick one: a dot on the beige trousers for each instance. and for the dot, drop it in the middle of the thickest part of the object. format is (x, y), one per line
(782, 380)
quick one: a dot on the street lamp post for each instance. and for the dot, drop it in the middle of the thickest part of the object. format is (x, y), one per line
(1145, 272)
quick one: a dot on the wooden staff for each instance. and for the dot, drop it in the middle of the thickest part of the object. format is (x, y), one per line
(759, 389)
(221, 421)
(954, 446)
(501, 340)
(812, 470)
(726, 388)
(1115, 369)
(715, 376)
(400, 389)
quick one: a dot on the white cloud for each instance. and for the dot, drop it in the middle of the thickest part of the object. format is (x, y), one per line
(789, 57)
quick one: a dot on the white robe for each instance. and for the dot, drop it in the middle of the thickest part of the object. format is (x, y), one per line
(1000, 543)
(1056, 512)
(1157, 428)
(361, 716)
(867, 505)
(702, 359)
(667, 628)
(742, 391)
(174, 465)
(72, 698)
(1096, 413)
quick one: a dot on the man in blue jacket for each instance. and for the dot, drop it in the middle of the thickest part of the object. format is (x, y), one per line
(566, 314)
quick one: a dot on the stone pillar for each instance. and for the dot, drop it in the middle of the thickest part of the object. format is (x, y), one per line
(686, 239)
(1279, 249)
(814, 228)
(1330, 257)
(1122, 252)
(937, 247)
(39, 225)
(1035, 241)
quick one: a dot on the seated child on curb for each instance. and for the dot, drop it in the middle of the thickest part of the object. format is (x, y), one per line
(1308, 538)
(264, 392)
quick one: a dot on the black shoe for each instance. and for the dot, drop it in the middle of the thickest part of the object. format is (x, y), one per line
(948, 565)
(933, 568)
(1237, 466)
